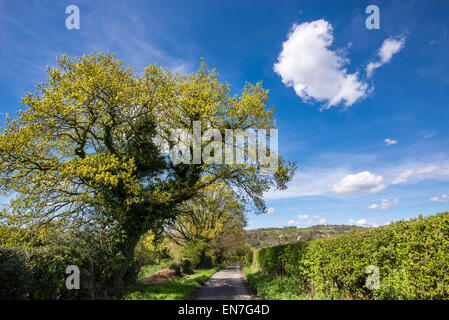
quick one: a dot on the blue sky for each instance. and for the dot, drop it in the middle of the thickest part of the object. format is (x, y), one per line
(334, 116)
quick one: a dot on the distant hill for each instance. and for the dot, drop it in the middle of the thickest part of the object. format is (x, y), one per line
(265, 237)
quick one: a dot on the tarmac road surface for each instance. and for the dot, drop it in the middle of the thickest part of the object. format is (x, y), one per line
(226, 284)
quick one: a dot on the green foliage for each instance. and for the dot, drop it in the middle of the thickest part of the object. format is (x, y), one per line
(39, 272)
(275, 287)
(36, 274)
(270, 259)
(14, 275)
(412, 256)
(148, 270)
(151, 250)
(210, 227)
(176, 267)
(206, 261)
(249, 257)
(91, 141)
(186, 266)
(194, 252)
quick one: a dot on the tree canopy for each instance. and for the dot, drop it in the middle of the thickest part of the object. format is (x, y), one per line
(204, 218)
(90, 147)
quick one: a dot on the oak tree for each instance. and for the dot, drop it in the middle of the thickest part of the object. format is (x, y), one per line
(89, 148)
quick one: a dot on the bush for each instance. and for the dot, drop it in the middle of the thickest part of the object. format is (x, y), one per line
(206, 261)
(35, 274)
(48, 267)
(269, 259)
(176, 267)
(412, 258)
(39, 273)
(186, 266)
(150, 250)
(194, 252)
(249, 257)
(14, 275)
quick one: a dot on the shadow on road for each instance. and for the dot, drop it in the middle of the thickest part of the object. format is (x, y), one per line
(226, 284)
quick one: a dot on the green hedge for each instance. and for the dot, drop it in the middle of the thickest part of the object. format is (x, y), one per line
(40, 272)
(36, 274)
(412, 257)
(269, 259)
(15, 278)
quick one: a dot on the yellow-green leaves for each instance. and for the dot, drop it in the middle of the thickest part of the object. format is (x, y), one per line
(214, 211)
(89, 143)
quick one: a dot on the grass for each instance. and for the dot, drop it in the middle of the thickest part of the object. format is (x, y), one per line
(176, 289)
(148, 271)
(271, 287)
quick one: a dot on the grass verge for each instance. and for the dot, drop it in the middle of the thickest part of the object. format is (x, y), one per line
(148, 271)
(176, 289)
(271, 287)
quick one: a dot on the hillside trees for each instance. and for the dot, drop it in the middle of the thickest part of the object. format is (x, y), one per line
(89, 150)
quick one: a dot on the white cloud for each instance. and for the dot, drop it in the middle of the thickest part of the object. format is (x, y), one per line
(385, 204)
(363, 182)
(313, 70)
(390, 47)
(331, 168)
(444, 198)
(427, 169)
(270, 210)
(306, 220)
(389, 141)
(366, 223)
(405, 176)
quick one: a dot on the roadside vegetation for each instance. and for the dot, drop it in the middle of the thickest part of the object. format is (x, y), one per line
(175, 289)
(411, 257)
(149, 270)
(274, 287)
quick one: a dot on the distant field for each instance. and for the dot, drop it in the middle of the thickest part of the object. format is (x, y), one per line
(265, 237)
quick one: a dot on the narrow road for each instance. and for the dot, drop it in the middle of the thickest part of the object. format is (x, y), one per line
(226, 284)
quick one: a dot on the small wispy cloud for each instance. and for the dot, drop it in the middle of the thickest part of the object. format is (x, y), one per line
(389, 47)
(443, 198)
(406, 175)
(306, 220)
(372, 223)
(428, 133)
(441, 39)
(390, 142)
(384, 205)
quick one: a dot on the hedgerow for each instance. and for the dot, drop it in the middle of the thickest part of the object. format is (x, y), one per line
(412, 258)
(40, 272)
